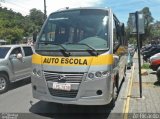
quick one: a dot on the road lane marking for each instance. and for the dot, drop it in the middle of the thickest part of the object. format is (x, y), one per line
(126, 103)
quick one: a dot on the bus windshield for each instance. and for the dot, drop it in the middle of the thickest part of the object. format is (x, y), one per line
(73, 28)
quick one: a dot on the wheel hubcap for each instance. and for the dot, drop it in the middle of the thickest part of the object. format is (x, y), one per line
(2, 83)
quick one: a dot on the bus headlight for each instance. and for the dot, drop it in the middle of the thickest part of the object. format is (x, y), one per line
(34, 71)
(106, 73)
(37, 72)
(91, 75)
(98, 74)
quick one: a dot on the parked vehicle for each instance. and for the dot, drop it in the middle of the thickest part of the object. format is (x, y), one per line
(129, 60)
(158, 74)
(131, 49)
(155, 62)
(151, 53)
(15, 64)
(145, 48)
(145, 52)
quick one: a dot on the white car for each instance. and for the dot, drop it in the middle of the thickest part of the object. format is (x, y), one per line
(155, 62)
(155, 57)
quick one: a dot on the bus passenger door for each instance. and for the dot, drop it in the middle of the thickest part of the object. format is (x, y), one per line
(118, 50)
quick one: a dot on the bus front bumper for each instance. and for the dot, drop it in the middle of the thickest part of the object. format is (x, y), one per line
(88, 93)
(99, 100)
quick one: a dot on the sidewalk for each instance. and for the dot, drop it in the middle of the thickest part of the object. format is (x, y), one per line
(150, 101)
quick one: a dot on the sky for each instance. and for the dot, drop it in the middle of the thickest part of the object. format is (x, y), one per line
(121, 8)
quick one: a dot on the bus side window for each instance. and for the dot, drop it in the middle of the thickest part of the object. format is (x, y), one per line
(116, 36)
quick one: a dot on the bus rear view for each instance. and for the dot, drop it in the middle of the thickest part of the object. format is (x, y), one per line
(74, 61)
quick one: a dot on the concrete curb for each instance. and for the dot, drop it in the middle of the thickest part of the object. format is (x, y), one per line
(126, 103)
(120, 104)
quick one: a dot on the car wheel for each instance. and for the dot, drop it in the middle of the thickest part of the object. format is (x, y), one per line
(158, 74)
(129, 67)
(4, 83)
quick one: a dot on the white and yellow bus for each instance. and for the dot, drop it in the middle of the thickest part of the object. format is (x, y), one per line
(80, 57)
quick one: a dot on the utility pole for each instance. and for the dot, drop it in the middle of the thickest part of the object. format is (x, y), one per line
(45, 12)
(139, 56)
(137, 27)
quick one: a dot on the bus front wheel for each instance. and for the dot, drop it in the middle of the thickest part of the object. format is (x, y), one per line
(114, 94)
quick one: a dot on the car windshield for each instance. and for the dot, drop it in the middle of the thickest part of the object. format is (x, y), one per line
(3, 51)
(73, 28)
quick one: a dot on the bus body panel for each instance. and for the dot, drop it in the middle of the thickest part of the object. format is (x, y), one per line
(87, 90)
(82, 79)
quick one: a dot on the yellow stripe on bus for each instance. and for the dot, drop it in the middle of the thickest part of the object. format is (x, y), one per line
(36, 59)
(73, 61)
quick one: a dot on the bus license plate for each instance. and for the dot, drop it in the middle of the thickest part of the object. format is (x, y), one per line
(62, 86)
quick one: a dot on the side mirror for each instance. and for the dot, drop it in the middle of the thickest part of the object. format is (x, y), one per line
(19, 56)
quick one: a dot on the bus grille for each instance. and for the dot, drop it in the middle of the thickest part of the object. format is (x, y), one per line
(62, 93)
(65, 78)
(68, 77)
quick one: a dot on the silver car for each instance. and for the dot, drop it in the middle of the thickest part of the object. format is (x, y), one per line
(15, 64)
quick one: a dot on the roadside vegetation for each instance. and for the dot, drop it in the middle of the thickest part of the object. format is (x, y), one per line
(152, 29)
(14, 27)
(145, 66)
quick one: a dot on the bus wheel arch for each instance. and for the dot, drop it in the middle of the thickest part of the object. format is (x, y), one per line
(115, 88)
(114, 94)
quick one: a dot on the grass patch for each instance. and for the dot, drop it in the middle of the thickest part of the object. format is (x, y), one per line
(145, 66)
(157, 83)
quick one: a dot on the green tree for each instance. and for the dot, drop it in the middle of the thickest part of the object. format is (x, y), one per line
(10, 25)
(14, 26)
(155, 32)
(37, 19)
(36, 16)
(148, 20)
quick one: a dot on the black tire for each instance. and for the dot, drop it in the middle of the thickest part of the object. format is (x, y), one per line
(125, 69)
(4, 83)
(158, 74)
(114, 95)
(117, 82)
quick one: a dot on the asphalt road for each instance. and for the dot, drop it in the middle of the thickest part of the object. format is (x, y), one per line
(19, 100)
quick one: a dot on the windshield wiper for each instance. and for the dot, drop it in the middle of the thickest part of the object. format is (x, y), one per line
(92, 49)
(63, 50)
